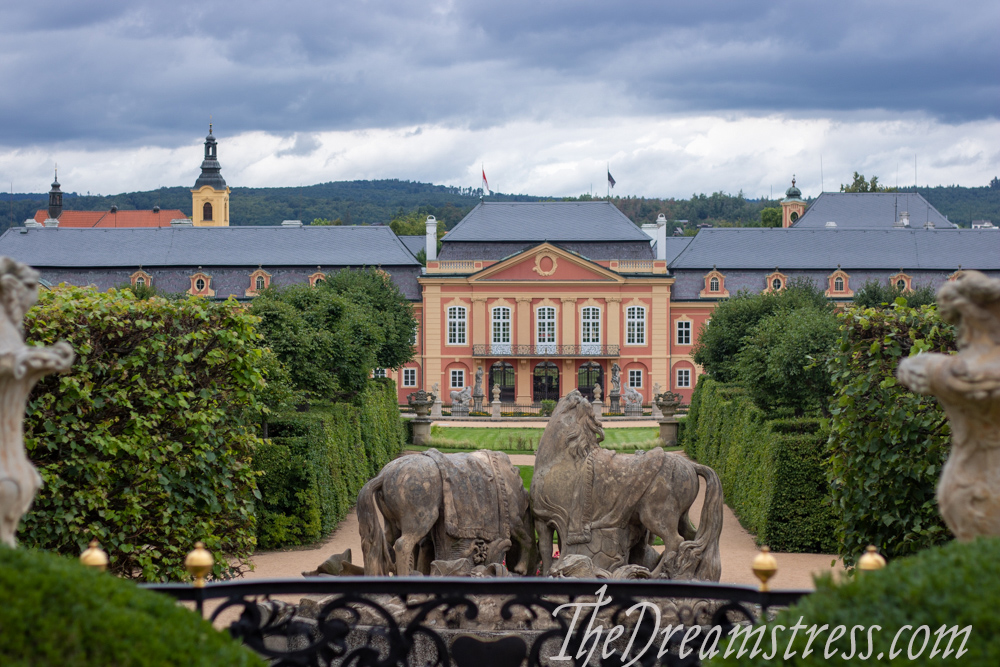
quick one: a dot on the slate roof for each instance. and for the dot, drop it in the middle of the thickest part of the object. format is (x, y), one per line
(675, 246)
(545, 221)
(497, 250)
(206, 246)
(794, 248)
(870, 210)
(414, 243)
(159, 218)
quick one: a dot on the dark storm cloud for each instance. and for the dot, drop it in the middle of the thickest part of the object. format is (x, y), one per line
(127, 73)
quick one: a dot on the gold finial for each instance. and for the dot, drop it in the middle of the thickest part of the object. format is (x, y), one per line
(95, 557)
(199, 563)
(764, 567)
(871, 560)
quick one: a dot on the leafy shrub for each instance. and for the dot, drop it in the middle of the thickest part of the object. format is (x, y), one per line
(771, 470)
(954, 585)
(887, 445)
(548, 406)
(876, 294)
(316, 462)
(146, 443)
(54, 611)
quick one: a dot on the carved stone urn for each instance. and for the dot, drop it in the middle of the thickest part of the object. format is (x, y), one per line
(668, 402)
(421, 402)
(968, 386)
(21, 367)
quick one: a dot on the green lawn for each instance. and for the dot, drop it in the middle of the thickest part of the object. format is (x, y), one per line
(525, 440)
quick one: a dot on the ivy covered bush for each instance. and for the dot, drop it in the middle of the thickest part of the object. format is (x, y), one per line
(146, 444)
(316, 462)
(54, 611)
(887, 445)
(771, 469)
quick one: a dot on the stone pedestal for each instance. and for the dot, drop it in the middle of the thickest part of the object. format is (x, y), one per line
(668, 431)
(459, 410)
(421, 403)
(616, 401)
(436, 409)
(667, 404)
(495, 411)
(421, 430)
(598, 409)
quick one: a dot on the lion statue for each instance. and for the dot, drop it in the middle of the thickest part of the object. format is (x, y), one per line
(609, 506)
(461, 397)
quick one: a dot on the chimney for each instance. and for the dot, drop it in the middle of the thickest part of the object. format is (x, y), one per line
(661, 236)
(649, 229)
(431, 248)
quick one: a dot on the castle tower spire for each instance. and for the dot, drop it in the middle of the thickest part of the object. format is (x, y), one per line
(55, 198)
(210, 195)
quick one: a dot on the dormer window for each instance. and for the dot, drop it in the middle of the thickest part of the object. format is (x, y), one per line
(775, 282)
(260, 280)
(901, 281)
(141, 279)
(839, 285)
(715, 286)
(201, 285)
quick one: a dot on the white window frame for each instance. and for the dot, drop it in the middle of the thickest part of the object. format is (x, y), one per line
(457, 325)
(500, 322)
(683, 329)
(714, 284)
(409, 377)
(635, 325)
(590, 330)
(683, 378)
(780, 284)
(458, 373)
(545, 330)
(635, 378)
(842, 285)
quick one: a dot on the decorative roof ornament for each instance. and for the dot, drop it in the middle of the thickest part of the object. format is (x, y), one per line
(793, 192)
(210, 168)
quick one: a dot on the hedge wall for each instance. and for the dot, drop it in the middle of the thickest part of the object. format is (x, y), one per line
(887, 444)
(145, 444)
(315, 463)
(771, 470)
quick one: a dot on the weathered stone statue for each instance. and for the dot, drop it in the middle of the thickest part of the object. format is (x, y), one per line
(436, 408)
(608, 507)
(477, 392)
(496, 392)
(968, 386)
(616, 378)
(460, 402)
(655, 408)
(445, 507)
(21, 367)
(597, 392)
(633, 402)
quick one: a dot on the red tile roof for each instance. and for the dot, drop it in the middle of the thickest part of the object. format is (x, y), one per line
(117, 219)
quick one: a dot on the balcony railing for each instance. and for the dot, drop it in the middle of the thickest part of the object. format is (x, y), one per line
(635, 266)
(544, 350)
(457, 266)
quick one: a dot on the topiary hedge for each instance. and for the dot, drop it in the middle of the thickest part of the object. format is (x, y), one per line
(771, 470)
(887, 445)
(316, 462)
(146, 443)
(947, 586)
(54, 611)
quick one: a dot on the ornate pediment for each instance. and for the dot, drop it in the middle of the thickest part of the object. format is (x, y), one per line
(546, 262)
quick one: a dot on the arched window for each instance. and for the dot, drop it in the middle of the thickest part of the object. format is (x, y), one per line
(635, 325)
(590, 330)
(545, 319)
(259, 283)
(546, 382)
(713, 285)
(501, 330)
(793, 217)
(456, 325)
(199, 284)
(502, 373)
(140, 282)
(776, 284)
(590, 374)
(901, 284)
(206, 211)
(838, 284)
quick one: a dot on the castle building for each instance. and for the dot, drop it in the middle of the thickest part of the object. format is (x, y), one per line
(56, 216)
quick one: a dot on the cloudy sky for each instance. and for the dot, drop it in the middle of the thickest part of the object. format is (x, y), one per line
(678, 97)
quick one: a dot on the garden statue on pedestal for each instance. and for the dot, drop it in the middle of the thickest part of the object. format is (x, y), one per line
(655, 408)
(633, 402)
(436, 408)
(421, 403)
(477, 392)
(460, 402)
(968, 386)
(667, 404)
(608, 507)
(21, 366)
(616, 388)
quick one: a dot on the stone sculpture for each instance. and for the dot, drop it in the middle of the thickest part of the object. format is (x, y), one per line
(655, 408)
(445, 507)
(477, 392)
(21, 367)
(496, 392)
(633, 402)
(968, 386)
(608, 506)
(597, 392)
(460, 402)
(421, 402)
(616, 379)
(436, 408)
(337, 565)
(667, 404)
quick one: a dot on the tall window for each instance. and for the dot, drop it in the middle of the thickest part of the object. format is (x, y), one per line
(456, 325)
(635, 325)
(409, 377)
(545, 318)
(713, 285)
(140, 282)
(501, 330)
(838, 284)
(683, 377)
(206, 211)
(590, 330)
(379, 373)
(260, 283)
(635, 378)
(458, 379)
(683, 333)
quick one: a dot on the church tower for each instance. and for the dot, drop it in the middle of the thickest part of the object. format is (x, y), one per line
(55, 199)
(792, 206)
(210, 196)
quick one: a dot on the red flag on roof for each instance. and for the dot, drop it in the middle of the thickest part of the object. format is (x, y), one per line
(486, 184)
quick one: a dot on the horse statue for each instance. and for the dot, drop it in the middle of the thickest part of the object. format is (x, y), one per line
(443, 507)
(461, 397)
(609, 506)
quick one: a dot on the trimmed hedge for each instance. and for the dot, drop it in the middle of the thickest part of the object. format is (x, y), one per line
(887, 445)
(954, 585)
(146, 443)
(54, 611)
(316, 462)
(771, 470)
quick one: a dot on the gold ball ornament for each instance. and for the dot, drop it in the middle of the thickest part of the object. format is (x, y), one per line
(95, 557)
(764, 567)
(199, 563)
(871, 560)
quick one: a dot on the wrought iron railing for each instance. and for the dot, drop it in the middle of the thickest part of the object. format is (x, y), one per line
(544, 350)
(478, 621)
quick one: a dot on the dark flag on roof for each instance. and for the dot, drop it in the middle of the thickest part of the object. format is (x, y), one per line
(611, 179)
